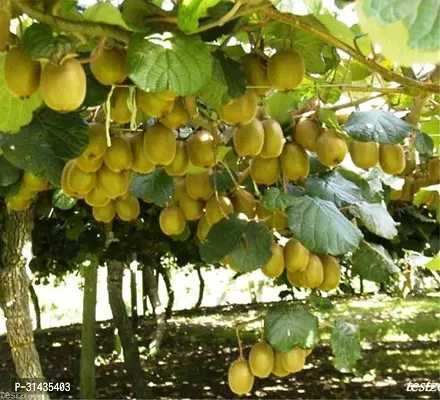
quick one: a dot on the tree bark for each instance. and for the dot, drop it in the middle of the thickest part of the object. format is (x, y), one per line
(170, 304)
(125, 331)
(36, 305)
(14, 295)
(134, 302)
(201, 286)
(88, 335)
(151, 285)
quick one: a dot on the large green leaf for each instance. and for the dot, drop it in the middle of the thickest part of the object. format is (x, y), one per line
(372, 262)
(425, 193)
(190, 11)
(424, 143)
(156, 186)
(253, 250)
(45, 145)
(334, 187)
(298, 7)
(105, 12)
(346, 346)
(321, 227)
(179, 63)
(222, 180)
(376, 219)
(274, 199)
(9, 174)
(376, 126)
(286, 327)
(222, 239)
(14, 112)
(434, 264)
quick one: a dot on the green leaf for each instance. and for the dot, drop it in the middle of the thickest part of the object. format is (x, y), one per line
(274, 199)
(61, 201)
(376, 126)
(253, 250)
(334, 187)
(9, 174)
(10, 190)
(434, 264)
(322, 304)
(328, 117)
(183, 237)
(346, 345)
(425, 193)
(222, 239)
(424, 144)
(370, 190)
(40, 42)
(298, 7)
(179, 63)
(104, 12)
(286, 327)
(376, 219)
(222, 180)
(134, 12)
(14, 112)
(190, 11)
(372, 262)
(44, 146)
(96, 93)
(321, 227)
(156, 186)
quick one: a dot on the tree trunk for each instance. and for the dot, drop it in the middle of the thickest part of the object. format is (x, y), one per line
(170, 304)
(201, 286)
(151, 285)
(88, 335)
(36, 304)
(134, 303)
(14, 295)
(125, 331)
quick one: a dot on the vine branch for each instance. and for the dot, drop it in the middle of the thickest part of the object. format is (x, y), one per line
(299, 23)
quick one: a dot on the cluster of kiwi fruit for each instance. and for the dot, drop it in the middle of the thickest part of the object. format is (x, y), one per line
(30, 186)
(264, 361)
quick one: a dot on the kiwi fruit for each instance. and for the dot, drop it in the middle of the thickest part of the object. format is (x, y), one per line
(192, 209)
(286, 70)
(434, 169)
(178, 190)
(168, 95)
(113, 184)
(26, 193)
(191, 107)
(198, 186)
(64, 182)
(332, 272)
(240, 377)
(177, 117)
(240, 111)
(140, 162)
(105, 213)
(159, 144)
(203, 228)
(201, 149)
(364, 154)
(255, 71)
(275, 267)
(172, 221)
(18, 203)
(331, 148)
(278, 369)
(97, 197)
(293, 360)
(296, 278)
(217, 208)
(63, 87)
(314, 273)
(128, 208)
(153, 104)
(305, 133)
(244, 202)
(273, 139)
(119, 156)
(294, 162)
(265, 171)
(92, 157)
(296, 256)
(109, 67)
(392, 158)
(22, 75)
(395, 194)
(79, 181)
(179, 165)
(5, 19)
(227, 260)
(33, 183)
(261, 359)
(249, 138)
(119, 111)
(272, 219)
